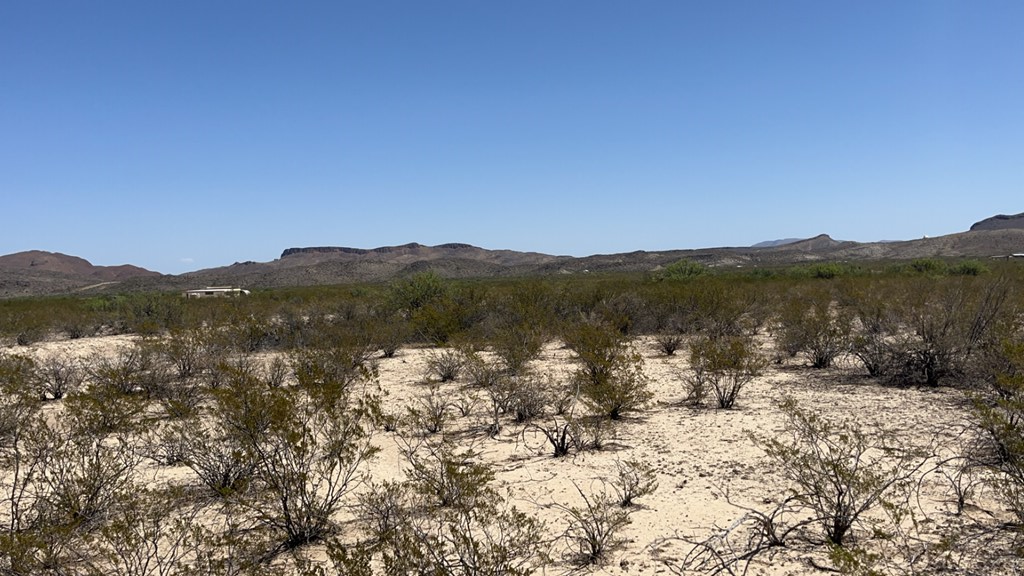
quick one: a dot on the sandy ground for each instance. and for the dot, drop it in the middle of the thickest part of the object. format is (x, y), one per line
(698, 454)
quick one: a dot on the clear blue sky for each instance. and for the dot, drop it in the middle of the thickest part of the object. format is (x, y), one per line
(184, 135)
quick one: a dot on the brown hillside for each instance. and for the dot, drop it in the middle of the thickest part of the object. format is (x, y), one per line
(40, 261)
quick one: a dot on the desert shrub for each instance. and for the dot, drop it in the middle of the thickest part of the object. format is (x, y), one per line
(594, 528)
(1000, 418)
(517, 346)
(445, 365)
(592, 434)
(560, 434)
(879, 352)
(481, 373)
(625, 311)
(827, 270)
(245, 408)
(331, 372)
(722, 366)
(81, 479)
(17, 376)
(308, 460)
(435, 309)
(968, 268)
(718, 307)
(383, 509)
(148, 314)
(27, 329)
(610, 375)
(390, 333)
(501, 393)
(416, 291)
(668, 343)
(446, 476)
(276, 371)
(878, 338)
(810, 324)
(181, 399)
(929, 266)
(448, 520)
(186, 351)
(430, 412)
(57, 375)
(161, 445)
(102, 409)
(131, 369)
(151, 534)
(16, 409)
(682, 270)
(465, 403)
(634, 479)
(248, 333)
(19, 424)
(840, 474)
(530, 398)
(220, 456)
(950, 321)
(80, 325)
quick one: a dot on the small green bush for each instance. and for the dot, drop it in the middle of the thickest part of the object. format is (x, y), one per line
(682, 270)
(610, 374)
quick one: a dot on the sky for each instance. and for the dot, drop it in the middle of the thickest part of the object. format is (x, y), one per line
(191, 134)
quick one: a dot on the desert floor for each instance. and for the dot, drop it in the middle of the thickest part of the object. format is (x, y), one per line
(699, 455)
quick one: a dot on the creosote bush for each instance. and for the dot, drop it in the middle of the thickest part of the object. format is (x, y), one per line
(446, 365)
(610, 376)
(811, 325)
(58, 375)
(517, 346)
(447, 519)
(308, 460)
(840, 474)
(594, 530)
(668, 343)
(722, 366)
(635, 479)
(1000, 417)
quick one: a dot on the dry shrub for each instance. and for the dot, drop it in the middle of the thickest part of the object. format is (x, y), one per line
(722, 366)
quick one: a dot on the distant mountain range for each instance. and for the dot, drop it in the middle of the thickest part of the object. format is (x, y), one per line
(36, 272)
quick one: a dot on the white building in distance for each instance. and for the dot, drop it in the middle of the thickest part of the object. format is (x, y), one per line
(214, 291)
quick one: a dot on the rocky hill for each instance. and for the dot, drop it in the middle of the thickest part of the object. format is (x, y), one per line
(1000, 222)
(40, 261)
(39, 272)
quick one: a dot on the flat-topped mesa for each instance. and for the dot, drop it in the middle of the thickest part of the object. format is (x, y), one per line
(323, 250)
(1000, 222)
(381, 250)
